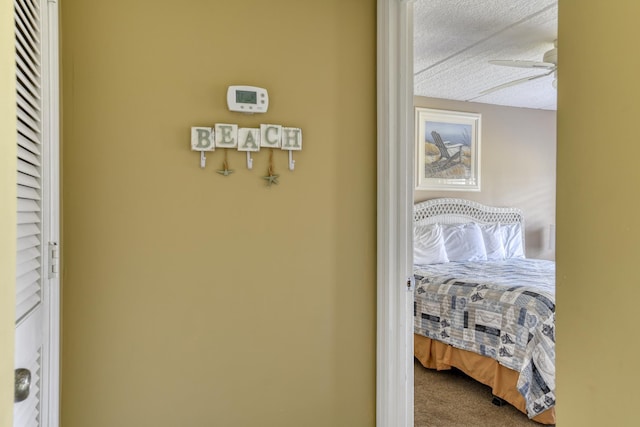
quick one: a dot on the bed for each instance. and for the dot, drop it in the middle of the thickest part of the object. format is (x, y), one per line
(482, 307)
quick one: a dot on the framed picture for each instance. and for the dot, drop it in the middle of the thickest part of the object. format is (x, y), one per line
(447, 150)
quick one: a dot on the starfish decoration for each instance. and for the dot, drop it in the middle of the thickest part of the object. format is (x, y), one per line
(271, 178)
(225, 171)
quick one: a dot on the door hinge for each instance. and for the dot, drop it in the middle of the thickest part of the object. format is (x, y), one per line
(411, 283)
(54, 260)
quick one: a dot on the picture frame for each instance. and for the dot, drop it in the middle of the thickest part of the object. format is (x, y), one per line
(447, 150)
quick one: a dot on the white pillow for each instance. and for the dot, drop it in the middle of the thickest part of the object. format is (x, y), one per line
(464, 242)
(428, 245)
(512, 240)
(492, 236)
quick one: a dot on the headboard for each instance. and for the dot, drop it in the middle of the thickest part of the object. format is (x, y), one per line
(451, 211)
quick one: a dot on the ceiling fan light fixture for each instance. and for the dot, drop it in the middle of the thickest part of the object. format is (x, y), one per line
(549, 62)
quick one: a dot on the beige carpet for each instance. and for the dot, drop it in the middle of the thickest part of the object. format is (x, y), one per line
(451, 399)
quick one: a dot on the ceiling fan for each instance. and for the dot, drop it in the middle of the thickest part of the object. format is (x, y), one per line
(549, 64)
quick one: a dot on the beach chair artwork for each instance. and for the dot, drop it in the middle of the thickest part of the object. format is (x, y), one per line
(450, 155)
(447, 150)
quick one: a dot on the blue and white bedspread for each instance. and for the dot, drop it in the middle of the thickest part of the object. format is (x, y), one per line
(501, 309)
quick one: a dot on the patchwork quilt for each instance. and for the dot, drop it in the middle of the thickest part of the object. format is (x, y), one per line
(501, 309)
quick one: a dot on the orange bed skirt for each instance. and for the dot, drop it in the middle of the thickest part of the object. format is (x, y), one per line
(437, 355)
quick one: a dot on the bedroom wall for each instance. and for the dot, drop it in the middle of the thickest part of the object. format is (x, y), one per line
(7, 209)
(193, 299)
(518, 166)
(598, 204)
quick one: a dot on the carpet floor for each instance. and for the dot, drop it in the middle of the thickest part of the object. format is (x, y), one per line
(452, 399)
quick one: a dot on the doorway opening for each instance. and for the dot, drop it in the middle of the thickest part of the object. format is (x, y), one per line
(498, 63)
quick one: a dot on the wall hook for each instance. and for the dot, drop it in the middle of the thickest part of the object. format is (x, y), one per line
(203, 160)
(249, 160)
(292, 163)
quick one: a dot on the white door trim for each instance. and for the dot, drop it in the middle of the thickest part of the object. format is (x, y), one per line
(50, 410)
(394, 376)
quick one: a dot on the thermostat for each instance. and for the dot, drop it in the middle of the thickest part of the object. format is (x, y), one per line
(247, 99)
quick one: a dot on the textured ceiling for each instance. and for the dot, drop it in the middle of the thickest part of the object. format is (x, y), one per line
(455, 39)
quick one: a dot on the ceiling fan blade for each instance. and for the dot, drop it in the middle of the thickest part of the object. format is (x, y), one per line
(523, 63)
(513, 83)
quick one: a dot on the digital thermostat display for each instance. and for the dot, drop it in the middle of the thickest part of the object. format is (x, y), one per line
(247, 99)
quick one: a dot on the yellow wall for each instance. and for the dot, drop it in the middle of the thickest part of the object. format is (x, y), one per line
(517, 165)
(598, 204)
(155, 305)
(193, 299)
(7, 209)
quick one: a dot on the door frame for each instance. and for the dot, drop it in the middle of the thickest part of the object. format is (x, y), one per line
(394, 375)
(51, 302)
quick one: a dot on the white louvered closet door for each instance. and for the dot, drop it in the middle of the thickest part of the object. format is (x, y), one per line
(37, 284)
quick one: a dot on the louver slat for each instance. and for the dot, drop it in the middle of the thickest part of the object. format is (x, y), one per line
(27, 254)
(25, 230)
(28, 168)
(28, 217)
(28, 181)
(25, 205)
(28, 193)
(27, 242)
(25, 267)
(28, 157)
